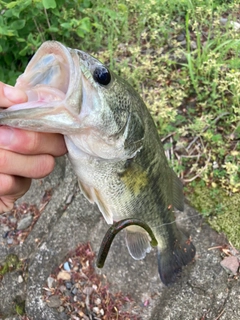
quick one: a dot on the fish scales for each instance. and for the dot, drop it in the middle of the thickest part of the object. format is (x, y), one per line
(113, 145)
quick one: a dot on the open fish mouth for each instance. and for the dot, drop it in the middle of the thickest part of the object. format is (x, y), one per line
(52, 81)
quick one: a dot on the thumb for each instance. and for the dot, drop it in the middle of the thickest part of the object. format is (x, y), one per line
(10, 95)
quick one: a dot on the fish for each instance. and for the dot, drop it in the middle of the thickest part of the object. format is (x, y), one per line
(113, 146)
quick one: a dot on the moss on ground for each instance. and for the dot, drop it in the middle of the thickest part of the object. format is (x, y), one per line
(11, 263)
(221, 211)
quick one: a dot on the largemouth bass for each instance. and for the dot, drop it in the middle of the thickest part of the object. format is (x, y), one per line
(113, 145)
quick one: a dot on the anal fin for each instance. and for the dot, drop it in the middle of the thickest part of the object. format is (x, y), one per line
(137, 241)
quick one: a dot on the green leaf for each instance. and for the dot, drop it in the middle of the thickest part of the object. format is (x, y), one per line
(23, 51)
(49, 4)
(18, 24)
(53, 29)
(66, 25)
(7, 32)
(1, 21)
(80, 32)
(11, 4)
(8, 13)
(86, 24)
(8, 58)
(21, 40)
(86, 4)
(122, 8)
(16, 7)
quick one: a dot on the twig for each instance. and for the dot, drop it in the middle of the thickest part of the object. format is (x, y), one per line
(200, 171)
(213, 248)
(214, 121)
(172, 152)
(48, 22)
(39, 31)
(220, 116)
(167, 154)
(220, 314)
(192, 142)
(191, 156)
(168, 136)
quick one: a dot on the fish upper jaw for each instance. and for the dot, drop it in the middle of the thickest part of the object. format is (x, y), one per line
(52, 81)
(54, 73)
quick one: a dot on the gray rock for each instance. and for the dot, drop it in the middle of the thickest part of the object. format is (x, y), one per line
(25, 222)
(235, 25)
(203, 290)
(193, 45)
(223, 21)
(230, 264)
(9, 241)
(51, 282)
(183, 43)
(181, 37)
(54, 302)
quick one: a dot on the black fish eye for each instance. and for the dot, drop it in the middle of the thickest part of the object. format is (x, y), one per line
(102, 75)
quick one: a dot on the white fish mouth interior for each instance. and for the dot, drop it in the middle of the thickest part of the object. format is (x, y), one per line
(47, 76)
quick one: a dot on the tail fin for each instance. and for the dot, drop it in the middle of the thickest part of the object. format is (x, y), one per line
(171, 260)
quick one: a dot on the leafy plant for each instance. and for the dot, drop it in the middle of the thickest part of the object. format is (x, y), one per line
(25, 24)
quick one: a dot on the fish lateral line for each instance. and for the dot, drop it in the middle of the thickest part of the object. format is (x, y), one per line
(114, 230)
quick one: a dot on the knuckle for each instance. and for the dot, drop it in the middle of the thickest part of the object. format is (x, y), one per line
(3, 159)
(34, 142)
(44, 167)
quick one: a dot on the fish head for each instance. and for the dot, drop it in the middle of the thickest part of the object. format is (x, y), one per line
(72, 93)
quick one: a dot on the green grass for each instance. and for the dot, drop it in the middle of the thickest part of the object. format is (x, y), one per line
(181, 59)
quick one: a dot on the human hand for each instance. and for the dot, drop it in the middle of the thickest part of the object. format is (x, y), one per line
(23, 154)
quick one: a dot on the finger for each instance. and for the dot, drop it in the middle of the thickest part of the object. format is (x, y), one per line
(11, 188)
(34, 166)
(13, 185)
(10, 95)
(28, 142)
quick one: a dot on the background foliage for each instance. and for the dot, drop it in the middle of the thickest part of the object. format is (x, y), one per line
(183, 58)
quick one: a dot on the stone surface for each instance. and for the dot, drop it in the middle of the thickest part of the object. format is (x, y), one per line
(204, 290)
(12, 293)
(25, 222)
(54, 302)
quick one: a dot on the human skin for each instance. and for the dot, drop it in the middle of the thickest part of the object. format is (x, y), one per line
(24, 155)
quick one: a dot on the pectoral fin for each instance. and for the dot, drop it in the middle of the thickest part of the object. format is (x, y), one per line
(86, 191)
(94, 196)
(138, 242)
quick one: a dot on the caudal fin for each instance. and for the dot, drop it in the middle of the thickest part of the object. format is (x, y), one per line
(171, 261)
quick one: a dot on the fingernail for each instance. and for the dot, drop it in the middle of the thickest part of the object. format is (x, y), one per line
(14, 94)
(6, 136)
